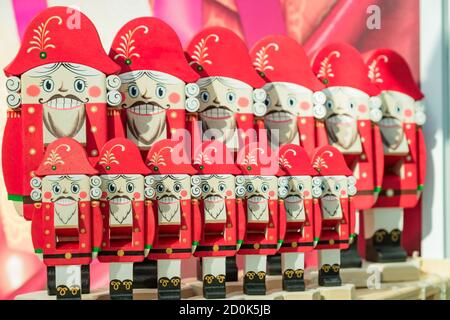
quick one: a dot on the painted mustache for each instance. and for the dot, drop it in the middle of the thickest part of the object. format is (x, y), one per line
(143, 108)
(168, 199)
(213, 198)
(65, 201)
(279, 116)
(120, 200)
(61, 102)
(217, 113)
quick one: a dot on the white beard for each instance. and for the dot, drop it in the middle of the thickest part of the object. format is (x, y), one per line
(120, 210)
(146, 129)
(282, 132)
(294, 208)
(257, 209)
(64, 122)
(226, 127)
(215, 209)
(391, 132)
(342, 130)
(331, 207)
(66, 212)
(168, 210)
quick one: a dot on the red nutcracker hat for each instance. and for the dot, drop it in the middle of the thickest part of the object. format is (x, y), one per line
(169, 157)
(341, 65)
(294, 161)
(329, 161)
(61, 34)
(65, 156)
(257, 159)
(282, 59)
(389, 71)
(219, 52)
(213, 157)
(121, 156)
(151, 44)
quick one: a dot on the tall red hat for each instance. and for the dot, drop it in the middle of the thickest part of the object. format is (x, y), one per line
(65, 156)
(256, 159)
(213, 157)
(329, 161)
(121, 156)
(169, 157)
(282, 59)
(341, 65)
(61, 34)
(219, 52)
(389, 71)
(294, 161)
(151, 44)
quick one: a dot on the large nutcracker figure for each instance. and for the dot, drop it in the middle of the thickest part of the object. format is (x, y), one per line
(335, 209)
(67, 224)
(168, 190)
(404, 154)
(126, 228)
(221, 227)
(297, 193)
(58, 87)
(265, 225)
(350, 125)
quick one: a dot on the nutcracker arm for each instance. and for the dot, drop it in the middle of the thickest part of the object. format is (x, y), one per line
(378, 154)
(196, 224)
(321, 133)
(345, 226)
(422, 155)
(281, 223)
(317, 220)
(97, 228)
(37, 230)
(352, 218)
(241, 222)
(150, 227)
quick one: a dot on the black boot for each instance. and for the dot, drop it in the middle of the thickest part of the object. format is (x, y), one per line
(274, 265)
(85, 279)
(385, 247)
(329, 276)
(350, 258)
(51, 281)
(255, 283)
(293, 281)
(214, 287)
(121, 290)
(169, 289)
(145, 274)
(66, 293)
(231, 269)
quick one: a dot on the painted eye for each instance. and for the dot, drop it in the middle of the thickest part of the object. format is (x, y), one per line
(222, 187)
(48, 85)
(75, 188)
(398, 109)
(322, 187)
(112, 187)
(329, 104)
(351, 105)
(160, 188)
(264, 188)
(300, 187)
(130, 187)
(160, 92)
(56, 189)
(205, 187)
(177, 187)
(231, 97)
(337, 187)
(250, 188)
(79, 85)
(267, 101)
(133, 91)
(291, 102)
(204, 96)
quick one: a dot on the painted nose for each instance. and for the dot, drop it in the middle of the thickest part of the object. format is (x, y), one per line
(62, 89)
(216, 101)
(146, 96)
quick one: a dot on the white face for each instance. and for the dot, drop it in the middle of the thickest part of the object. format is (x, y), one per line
(65, 192)
(345, 106)
(285, 103)
(121, 191)
(296, 190)
(64, 90)
(258, 191)
(334, 188)
(220, 99)
(398, 109)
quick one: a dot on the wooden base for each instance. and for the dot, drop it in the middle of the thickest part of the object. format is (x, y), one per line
(344, 292)
(356, 276)
(398, 271)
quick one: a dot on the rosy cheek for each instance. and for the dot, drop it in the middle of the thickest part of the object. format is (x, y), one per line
(408, 113)
(83, 195)
(104, 194)
(33, 90)
(183, 193)
(306, 193)
(305, 106)
(95, 91)
(243, 102)
(362, 108)
(137, 195)
(343, 193)
(174, 97)
(229, 193)
(123, 96)
(48, 195)
(271, 194)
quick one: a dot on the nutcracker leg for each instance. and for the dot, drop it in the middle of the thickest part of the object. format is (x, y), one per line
(214, 278)
(293, 266)
(51, 281)
(231, 269)
(329, 263)
(255, 274)
(274, 265)
(121, 281)
(350, 257)
(383, 230)
(68, 282)
(85, 279)
(169, 279)
(145, 274)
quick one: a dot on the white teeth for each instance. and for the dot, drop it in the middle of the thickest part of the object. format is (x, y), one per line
(217, 113)
(279, 116)
(120, 201)
(256, 199)
(329, 198)
(214, 198)
(168, 199)
(293, 199)
(341, 119)
(63, 103)
(65, 202)
(390, 122)
(146, 109)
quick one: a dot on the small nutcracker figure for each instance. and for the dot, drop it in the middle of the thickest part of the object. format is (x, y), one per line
(221, 230)
(168, 190)
(350, 125)
(265, 225)
(404, 154)
(67, 225)
(126, 228)
(296, 202)
(58, 87)
(336, 211)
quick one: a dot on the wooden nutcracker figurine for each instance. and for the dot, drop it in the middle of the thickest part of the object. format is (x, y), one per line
(221, 230)
(404, 154)
(58, 87)
(230, 95)
(265, 225)
(67, 225)
(350, 125)
(168, 190)
(158, 85)
(126, 228)
(335, 209)
(296, 202)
